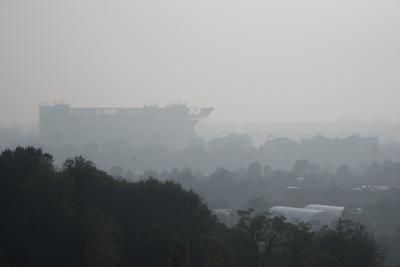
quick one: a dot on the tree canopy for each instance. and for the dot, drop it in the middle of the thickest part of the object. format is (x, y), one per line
(81, 216)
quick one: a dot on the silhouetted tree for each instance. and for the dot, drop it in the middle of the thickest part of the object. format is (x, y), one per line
(101, 248)
(180, 255)
(301, 167)
(344, 171)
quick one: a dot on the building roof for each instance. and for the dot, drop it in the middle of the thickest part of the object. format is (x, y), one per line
(303, 215)
(336, 210)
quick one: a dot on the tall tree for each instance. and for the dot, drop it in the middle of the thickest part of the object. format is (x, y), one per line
(101, 248)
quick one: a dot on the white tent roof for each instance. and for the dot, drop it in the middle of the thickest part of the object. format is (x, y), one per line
(302, 215)
(336, 210)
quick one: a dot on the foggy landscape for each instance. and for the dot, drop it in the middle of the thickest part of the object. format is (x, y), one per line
(200, 133)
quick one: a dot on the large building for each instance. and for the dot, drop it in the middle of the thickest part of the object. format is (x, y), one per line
(172, 125)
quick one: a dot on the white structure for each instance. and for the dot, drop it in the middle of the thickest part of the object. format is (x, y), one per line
(336, 210)
(316, 215)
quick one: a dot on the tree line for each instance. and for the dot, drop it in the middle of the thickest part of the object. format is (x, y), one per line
(78, 215)
(231, 151)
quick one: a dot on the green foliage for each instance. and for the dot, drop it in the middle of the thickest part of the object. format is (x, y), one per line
(351, 245)
(101, 248)
(216, 252)
(180, 255)
(262, 232)
(273, 242)
(81, 216)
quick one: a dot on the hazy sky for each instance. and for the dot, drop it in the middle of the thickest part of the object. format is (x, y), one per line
(254, 60)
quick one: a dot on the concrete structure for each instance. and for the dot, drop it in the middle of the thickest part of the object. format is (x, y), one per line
(172, 125)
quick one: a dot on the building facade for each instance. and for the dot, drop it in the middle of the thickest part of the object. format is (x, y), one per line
(172, 125)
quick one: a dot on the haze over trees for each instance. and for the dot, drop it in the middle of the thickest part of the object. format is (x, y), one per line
(113, 215)
(232, 152)
(187, 133)
(81, 216)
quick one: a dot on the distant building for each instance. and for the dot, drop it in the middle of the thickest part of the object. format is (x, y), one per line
(335, 210)
(172, 125)
(315, 215)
